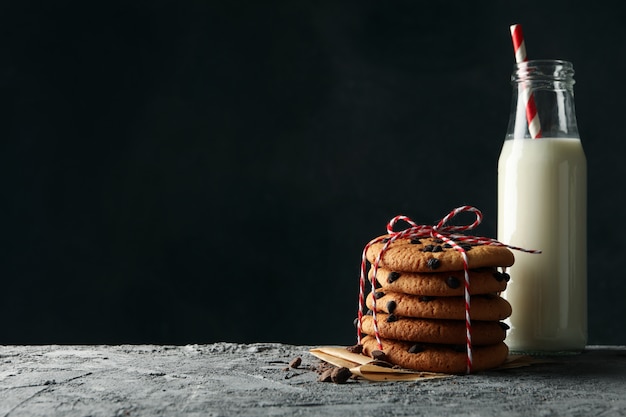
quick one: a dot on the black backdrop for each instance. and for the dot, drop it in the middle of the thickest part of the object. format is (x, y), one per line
(191, 172)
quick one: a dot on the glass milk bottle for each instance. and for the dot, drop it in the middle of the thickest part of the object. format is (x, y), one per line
(542, 204)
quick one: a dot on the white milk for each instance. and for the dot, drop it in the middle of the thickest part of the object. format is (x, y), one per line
(542, 204)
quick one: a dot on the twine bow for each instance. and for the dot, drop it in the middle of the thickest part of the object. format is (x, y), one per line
(448, 234)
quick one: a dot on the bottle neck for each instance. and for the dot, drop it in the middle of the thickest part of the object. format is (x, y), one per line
(549, 84)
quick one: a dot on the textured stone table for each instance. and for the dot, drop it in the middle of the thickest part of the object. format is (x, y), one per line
(226, 379)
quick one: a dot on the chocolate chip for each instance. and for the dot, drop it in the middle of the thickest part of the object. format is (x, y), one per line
(447, 246)
(379, 294)
(426, 298)
(437, 248)
(379, 355)
(498, 276)
(355, 349)
(438, 240)
(504, 325)
(391, 318)
(506, 276)
(428, 248)
(466, 247)
(391, 306)
(415, 241)
(416, 349)
(340, 375)
(453, 282)
(393, 276)
(385, 240)
(433, 263)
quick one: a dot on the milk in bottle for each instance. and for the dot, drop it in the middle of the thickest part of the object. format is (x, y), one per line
(542, 205)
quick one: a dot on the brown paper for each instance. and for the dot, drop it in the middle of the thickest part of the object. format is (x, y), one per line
(364, 366)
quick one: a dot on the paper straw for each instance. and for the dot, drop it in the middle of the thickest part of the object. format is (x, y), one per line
(519, 47)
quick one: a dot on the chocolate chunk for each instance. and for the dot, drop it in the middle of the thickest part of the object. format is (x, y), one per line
(506, 276)
(379, 294)
(447, 246)
(393, 276)
(504, 325)
(453, 282)
(382, 364)
(326, 376)
(295, 362)
(466, 247)
(340, 375)
(391, 318)
(355, 349)
(437, 248)
(428, 248)
(415, 241)
(391, 306)
(416, 349)
(433, 263)
(379, 355)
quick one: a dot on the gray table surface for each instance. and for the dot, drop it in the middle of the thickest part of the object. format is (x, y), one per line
(226, 379)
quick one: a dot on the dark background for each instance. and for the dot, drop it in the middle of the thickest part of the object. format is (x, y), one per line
(192, 172)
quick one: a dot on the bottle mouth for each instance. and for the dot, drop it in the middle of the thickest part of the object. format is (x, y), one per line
(543, 70)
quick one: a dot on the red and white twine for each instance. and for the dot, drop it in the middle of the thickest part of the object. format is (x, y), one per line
(448, 234)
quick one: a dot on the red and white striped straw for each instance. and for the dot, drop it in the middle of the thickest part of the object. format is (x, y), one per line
(519, 47)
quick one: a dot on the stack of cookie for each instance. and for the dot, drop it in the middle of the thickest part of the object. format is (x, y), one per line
(420, 305)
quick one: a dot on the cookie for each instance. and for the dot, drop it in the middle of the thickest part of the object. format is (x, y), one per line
(438, 331)
(437, 358)
(446, 284)
(432, 255)
(482, 307)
